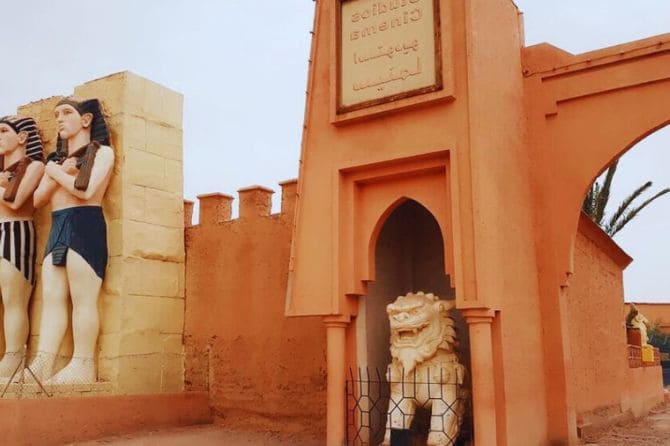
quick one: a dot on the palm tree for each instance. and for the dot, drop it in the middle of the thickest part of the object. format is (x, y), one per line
(597, 197)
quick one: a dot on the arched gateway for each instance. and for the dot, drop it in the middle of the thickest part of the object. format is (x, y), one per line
(498, 142)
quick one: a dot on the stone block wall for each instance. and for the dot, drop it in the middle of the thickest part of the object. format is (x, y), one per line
(142, 302)
(264, 371)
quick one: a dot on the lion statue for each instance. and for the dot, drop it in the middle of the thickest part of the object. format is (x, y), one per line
(425, 370)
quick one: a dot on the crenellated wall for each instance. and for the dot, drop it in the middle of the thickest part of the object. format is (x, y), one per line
(263, 370)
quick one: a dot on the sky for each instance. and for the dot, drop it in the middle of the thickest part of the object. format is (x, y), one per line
(242, 67)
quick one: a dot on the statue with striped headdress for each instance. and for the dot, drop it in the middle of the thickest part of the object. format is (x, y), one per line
(22, 163)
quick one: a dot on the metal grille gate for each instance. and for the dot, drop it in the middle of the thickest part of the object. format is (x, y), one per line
(368, 396)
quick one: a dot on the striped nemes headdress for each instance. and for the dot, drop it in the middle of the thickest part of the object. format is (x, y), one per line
(99, 131)
(34, 142)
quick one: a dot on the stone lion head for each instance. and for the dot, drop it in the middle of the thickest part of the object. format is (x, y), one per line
(420, 326)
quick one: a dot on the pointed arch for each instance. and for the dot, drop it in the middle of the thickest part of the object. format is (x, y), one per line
(372, 194)
(618, 151)
(383, 219)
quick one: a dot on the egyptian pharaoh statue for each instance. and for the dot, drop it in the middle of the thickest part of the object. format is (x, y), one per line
(20, 147)
(74, 182)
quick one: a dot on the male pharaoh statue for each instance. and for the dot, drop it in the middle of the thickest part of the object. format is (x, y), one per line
(20, 146)
(74, 182)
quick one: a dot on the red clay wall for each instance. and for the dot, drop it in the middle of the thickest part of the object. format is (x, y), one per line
(58, 421)
(604, 385)
(264, 370)
(643, 390)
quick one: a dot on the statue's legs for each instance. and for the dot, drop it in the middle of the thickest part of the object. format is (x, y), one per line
(443, 424)
(400, 412)
(15, 290)
(53, 320)
(447, 411)
(84, 289)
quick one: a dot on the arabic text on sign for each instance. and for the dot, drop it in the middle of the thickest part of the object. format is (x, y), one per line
(388, 51)
(392, 76)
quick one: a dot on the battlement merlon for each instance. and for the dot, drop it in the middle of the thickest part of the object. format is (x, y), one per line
(289, 194)
(255, 201)
(188, 213)
(215, 208)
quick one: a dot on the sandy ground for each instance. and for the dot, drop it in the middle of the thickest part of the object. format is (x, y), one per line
(205, 436)
(652, 430)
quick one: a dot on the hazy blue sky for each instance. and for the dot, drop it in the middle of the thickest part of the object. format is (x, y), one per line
(242, 66)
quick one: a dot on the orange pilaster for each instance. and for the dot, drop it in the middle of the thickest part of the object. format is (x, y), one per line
(336, 350)
(483, 381)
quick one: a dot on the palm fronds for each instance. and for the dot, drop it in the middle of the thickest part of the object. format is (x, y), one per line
(597, 198)
(625, 204)
(615, 226)
(604, 196)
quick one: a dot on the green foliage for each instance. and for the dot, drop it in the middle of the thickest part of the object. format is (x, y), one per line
(597, 197)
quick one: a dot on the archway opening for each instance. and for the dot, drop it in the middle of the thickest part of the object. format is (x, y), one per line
(409, 257)
(641, 227)
(615, 261)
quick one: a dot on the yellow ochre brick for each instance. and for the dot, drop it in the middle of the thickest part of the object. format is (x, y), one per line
(173, 344)
(108, 345)
(163, 105)
(174, 172)
(114, 277)
(135, 136)
(140, 374)
(162, 314)
(164, 140)
(111, 307)
(141, 342)
(152, 277)
(113, 201)
(163, 208)
(135, 202)
(114, 237)
(153, 242)
(172, 373)
(108, 370)
(146, 169)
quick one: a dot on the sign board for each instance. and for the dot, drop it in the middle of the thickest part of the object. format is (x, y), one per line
(388, 50)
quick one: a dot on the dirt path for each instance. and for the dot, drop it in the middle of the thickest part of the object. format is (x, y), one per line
(652, 430)
(207, 435)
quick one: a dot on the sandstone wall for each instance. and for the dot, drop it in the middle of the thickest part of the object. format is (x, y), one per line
(142, 302)
(263, 370)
